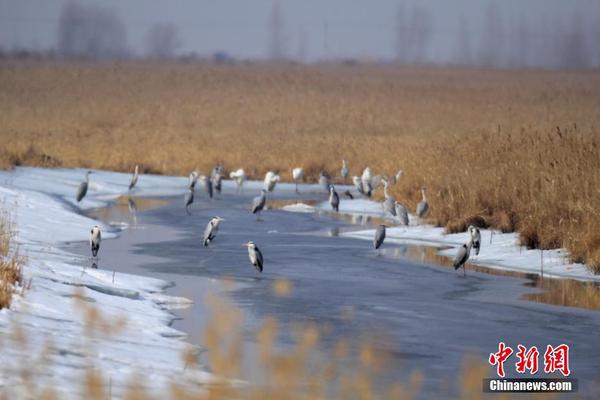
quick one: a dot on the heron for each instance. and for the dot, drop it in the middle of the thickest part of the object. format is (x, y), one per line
(211, 230)
(475, 235)
(376, 181)
(344, 171)
(83, 187)
(189, 199)
(134, 178)
(462, 256)
(395, 178)
(95, 238)
(193, 180)
(366, 178)
(239, 177)
(348, 195)
(216, 182)
(208, 186)
(389, 204)
(324, 181)
(271, 179)
(297, 175)
(334, 199)
(358, 184)
(402, 213)
(255, 256)
(423, 206)
(258, 203)
(379, 236)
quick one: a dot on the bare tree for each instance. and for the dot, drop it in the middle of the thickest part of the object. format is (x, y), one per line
(162, 41)
(90, 31)
(277, 41)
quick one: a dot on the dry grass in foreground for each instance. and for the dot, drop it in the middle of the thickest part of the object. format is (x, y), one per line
(10, 263)
(511, 150)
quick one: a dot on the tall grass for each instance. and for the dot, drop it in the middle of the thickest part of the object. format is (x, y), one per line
(514, 150)
(10, 262)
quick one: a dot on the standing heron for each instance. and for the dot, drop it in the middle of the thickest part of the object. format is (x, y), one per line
(324, 181)
(193, 180)
(358, 184)
(134, 178)
(395, 178)
(402, 214)
(462, 256)
(379, 237)
(423, 206)
(344, 171)
(366, 179)
(95, 239)
(255, 256)
(297, 175)
(83, 187)
(208, 186)
(189, 199)
(239, 177)
(271, 179)
(217, 182)
(211, 230)
(334, 199)
(475, 235)
(389, 204)
(258, 203)
(348, 195)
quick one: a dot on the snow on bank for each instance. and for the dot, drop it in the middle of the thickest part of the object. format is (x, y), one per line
(498, 250)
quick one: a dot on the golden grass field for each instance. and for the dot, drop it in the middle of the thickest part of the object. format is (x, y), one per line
(512, 150)
(10, 262)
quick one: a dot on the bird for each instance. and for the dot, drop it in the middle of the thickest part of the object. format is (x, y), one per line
(379, 237)
(83, 187)
(271, 179)
(462, 256)
(193, 180)
(208, 186)
(358, 185)
(395, 178)
(348, 195)
(95, 238)
(255, 256)
(401, 213)
(239, 177)
(334, 199)
(324, 181)
(389, 204)
(366, 178)
(258, 203)
(376, 181)
(189, 199)
(344, 171)
(297, 175)
(134, 178)
(211, 230)
(475, 235)
(423, 206)
(216, 182)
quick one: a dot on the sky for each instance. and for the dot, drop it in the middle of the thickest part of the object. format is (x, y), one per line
(313, 29)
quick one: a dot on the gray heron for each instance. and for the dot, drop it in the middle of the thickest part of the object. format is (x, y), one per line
(189, 199)
(475, 236)
(402, 213)
(239, 177)
(216, 177)
(208, 186)
(348, 195)
(366, 179)
(389, 204)
(134, 178)
(379, 236)
(211, 230)
(83, 187)
(95, 239)
(297, 175)
(258, 203)
(271, 179)
(462, 256)
(334, 199)
(395, 178)
(193, 180)
(423, 206)
(324, 181)
(255, 256)
(344, 171)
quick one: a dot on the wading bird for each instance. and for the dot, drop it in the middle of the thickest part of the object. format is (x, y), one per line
(134, 178)
(258, 203)
(255, 256)
(83, 187)
(324, 181)
(211, 230)
(348, 195)
(475, 235)
(358, 184)
(462, 256)
(208, 186)
(402, 214)
(216, 182)
(271, 179)
(297, 175)
(366, 179)
(395, 178)
(344, 171)
(189, 199)
(423, 206)
(239, 177)
(389, 204)
(193, 180)
(334, 199)
(95, 238)
(379, 237)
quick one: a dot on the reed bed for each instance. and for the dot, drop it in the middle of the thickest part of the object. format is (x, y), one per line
(512, 150)
(10, 262)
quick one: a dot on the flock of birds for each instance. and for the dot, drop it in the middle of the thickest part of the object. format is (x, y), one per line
(365, 185)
